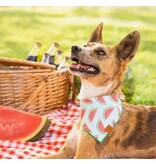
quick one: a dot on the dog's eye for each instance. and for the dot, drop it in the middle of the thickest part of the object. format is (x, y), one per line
(101, 52)
(85, 46)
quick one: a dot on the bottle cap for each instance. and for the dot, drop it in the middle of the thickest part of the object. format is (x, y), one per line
(46, 54)
(39, 44)
(59, 52)
(56, 44)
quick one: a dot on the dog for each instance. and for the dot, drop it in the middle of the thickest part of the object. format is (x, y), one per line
(101, 69)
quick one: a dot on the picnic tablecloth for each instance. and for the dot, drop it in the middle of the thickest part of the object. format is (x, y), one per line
(62, 122)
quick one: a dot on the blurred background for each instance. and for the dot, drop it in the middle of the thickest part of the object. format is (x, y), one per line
(20, 27)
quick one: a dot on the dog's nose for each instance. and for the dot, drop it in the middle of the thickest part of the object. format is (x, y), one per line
(75, 49)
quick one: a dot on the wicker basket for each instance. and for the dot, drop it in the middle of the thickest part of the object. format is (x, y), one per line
(32, 86)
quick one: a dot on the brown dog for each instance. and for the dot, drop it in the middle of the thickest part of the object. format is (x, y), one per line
(101, 69)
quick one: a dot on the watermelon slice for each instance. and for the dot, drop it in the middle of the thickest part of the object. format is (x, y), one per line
(101, 100)
(101, 127)
(107, 112)
(87, 101)
(82, 113)
(92, 114)
(114, 98)
(21, 126)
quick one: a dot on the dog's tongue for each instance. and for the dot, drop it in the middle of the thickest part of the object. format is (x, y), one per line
(80, 66)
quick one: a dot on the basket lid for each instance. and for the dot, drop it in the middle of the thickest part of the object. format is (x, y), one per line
(4, 61)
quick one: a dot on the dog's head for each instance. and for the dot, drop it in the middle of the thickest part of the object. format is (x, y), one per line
(99, 63)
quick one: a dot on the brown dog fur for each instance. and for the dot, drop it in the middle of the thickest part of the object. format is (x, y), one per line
(135, 134)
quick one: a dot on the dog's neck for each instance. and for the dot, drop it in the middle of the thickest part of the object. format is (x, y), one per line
(88, 90)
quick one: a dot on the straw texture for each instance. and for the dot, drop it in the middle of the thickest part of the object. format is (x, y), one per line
(33, 88)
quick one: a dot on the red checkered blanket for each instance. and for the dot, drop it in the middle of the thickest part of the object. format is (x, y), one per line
(50, 143)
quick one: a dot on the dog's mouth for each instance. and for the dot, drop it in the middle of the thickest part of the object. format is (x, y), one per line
(79, 66)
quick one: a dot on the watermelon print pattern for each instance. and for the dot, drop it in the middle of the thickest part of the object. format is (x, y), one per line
(98, 113)
(119, 113)
(92, 114)
(107, 112)
(114, 98)
(101, 100)
(82, 113)
(113, 123)
(101, 127)
(86, 127)
(87, 101)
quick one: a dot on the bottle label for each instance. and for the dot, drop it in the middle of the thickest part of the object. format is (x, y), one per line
(32, 58)
(51, 60)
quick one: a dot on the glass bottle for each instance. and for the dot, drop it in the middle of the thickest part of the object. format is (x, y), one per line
(32, 56)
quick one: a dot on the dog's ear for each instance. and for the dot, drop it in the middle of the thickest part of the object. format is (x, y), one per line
(127, 48)
(96, 35)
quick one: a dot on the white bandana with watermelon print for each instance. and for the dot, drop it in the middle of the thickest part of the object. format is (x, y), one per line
(99, 115)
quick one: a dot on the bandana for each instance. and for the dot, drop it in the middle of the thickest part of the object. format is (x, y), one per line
(99, 115)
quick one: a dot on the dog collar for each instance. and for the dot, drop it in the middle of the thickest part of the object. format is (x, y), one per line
(99, 115)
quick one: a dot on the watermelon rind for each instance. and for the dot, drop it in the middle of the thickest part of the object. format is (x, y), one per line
(92, 114)
(40, 131)
(107, 112)
(100, 127)
(36, 133)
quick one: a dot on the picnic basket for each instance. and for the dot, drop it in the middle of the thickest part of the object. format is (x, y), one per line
(33, 87)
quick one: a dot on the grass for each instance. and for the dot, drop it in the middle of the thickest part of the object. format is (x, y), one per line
(22, 26)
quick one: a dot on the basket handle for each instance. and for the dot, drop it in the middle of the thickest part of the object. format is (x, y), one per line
(34, 94)
(41, 86)
(20, 62)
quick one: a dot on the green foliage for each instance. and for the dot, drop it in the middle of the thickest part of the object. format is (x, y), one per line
(22, 26)
(128, 86)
